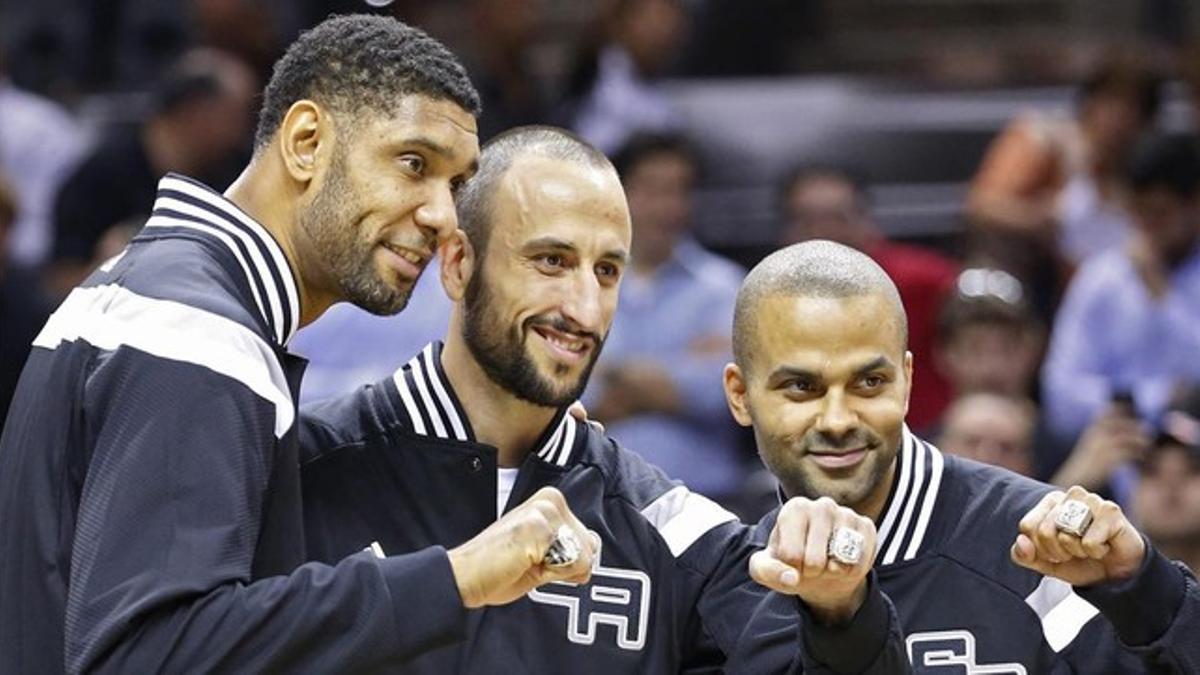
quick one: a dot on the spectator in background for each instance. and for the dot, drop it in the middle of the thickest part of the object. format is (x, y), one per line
(657, 385)
(989, 340)
(39, 145)
(201, 120)
(502, 34)
(23, 309)
(993, 429)
(1130, 321)
(1056, 182)
(613, 86)
(1166, 502)
(831, 203)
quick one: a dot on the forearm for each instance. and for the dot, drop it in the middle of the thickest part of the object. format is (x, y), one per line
(363, 613)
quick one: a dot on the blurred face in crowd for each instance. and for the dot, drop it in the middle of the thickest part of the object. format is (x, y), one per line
(826, 388)
(992, 357)
(990, 429)
(215, 128)
(659, 189)
(651, 31)
(1169, 222)
(825, 207)
(1113, 120)
(539, 302)
(1167, 500)
(385, 199)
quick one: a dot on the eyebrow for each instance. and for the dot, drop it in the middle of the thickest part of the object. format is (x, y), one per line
(874, 364)
(554, 243)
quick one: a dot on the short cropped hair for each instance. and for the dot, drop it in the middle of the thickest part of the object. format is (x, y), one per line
(362, 62)
(497, 156)
(815, 268)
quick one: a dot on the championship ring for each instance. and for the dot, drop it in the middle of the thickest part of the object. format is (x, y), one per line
(564, 550)
(846, 546)
(1073, 517)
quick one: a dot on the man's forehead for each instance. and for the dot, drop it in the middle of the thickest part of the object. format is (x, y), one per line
(831, 330)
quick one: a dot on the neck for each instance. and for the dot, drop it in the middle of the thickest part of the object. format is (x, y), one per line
(498, 418)
(872, 506)
(269, 196)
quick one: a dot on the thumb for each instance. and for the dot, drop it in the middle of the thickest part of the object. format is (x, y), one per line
(1024, 554)
(772, 573)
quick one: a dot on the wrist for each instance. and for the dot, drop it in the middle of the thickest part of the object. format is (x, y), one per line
(458, 569)
(841, 611)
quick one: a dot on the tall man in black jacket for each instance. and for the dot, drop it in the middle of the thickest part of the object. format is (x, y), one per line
(150, 516)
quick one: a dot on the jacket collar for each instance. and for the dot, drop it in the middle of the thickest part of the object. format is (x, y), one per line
(431, 408)
(906, 516)
(182, 202)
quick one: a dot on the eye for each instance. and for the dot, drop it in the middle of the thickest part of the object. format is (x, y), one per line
(413, 163)
(799, 387)
(873, 381)
(608, 270)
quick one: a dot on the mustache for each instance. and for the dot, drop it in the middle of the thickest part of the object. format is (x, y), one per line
(560, 324)
(824, 442)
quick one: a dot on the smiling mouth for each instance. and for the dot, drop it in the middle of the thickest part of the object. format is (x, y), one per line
(564, 341)
(407, 254)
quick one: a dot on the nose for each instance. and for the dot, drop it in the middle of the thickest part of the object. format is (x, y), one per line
(583, 304)
(436, 216)
(837, 418)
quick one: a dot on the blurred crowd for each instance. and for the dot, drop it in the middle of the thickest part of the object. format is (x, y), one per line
(1055, 333)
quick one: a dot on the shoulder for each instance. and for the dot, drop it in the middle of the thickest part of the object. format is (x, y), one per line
(334, 423)
(173, 304)
(679, 516)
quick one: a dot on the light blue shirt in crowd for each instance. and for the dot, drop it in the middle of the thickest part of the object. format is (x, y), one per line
(1110, 335)
(673, 319)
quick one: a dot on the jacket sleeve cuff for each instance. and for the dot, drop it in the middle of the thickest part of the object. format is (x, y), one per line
(852, 647)
(428, 608)
(1140, 608)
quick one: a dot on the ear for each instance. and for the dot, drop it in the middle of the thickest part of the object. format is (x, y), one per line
(908, 379)
(735, 394)
(458, 264)
(301, 133)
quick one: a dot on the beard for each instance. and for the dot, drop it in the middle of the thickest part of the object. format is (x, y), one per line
(329, 223)
(785, 459)
(500, 350)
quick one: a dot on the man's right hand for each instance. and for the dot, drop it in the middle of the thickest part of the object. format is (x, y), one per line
(504, 562)
(796, 560)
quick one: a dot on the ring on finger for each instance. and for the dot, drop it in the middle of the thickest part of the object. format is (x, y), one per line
(1073, 517)
(846, 546)
(564, 550)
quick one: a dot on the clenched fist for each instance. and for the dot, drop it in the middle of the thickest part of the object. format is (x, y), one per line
(796, 560)
(505, 561)
(1110, 549)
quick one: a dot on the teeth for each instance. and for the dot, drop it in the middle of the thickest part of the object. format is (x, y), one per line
(406, 254)
(574, 346)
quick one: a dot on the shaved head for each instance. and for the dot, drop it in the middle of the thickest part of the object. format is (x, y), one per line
(816, 269)
(474, 203)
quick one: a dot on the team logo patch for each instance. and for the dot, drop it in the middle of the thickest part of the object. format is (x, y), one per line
(952, 651)
(615, 597)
